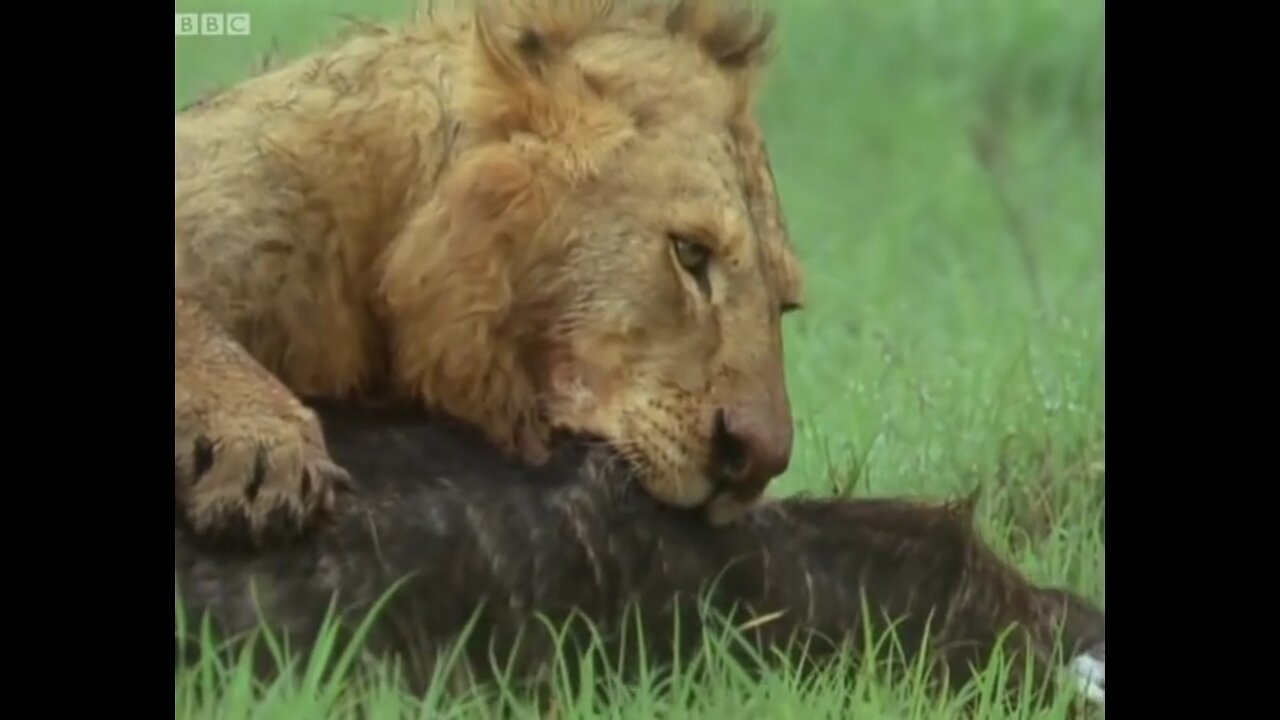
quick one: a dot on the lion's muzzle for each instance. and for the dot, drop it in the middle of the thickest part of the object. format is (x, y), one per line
(752, 446)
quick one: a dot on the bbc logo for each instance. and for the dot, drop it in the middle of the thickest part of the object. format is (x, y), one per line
(211, 23)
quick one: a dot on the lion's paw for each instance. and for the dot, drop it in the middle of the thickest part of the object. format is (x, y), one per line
(259, 478)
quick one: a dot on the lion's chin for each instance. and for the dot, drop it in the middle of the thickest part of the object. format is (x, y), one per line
(725, 508)
(673, 489)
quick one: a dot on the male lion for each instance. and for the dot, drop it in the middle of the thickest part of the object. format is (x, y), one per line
(536, 218)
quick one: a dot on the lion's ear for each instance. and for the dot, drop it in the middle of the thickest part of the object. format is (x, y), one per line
(519, 48)
(517, 54)
(448, 298)
(736, 38)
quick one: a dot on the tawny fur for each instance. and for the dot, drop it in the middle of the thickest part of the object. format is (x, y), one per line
(476, 212)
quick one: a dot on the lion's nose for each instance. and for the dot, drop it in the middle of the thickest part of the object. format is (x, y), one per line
(752, 448)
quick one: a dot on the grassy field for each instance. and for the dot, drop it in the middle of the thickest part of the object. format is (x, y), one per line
(942, 167)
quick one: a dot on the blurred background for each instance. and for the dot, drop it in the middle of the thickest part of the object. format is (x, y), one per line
(941, 163)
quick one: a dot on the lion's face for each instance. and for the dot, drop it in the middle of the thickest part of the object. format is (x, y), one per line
(610, 259)
(668, 340)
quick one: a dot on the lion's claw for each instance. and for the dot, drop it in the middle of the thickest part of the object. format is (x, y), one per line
(263, 480)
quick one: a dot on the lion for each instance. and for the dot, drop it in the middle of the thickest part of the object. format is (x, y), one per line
(535, 218)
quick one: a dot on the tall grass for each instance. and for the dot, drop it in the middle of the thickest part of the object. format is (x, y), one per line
(721, 676)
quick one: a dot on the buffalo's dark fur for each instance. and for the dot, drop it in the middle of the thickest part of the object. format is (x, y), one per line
(469, 528)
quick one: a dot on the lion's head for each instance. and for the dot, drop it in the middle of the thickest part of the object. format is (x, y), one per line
(607, 255)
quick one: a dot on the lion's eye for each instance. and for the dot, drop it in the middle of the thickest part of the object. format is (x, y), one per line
(693, 256)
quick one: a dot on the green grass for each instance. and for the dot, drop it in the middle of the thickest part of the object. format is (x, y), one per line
(942, 168)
